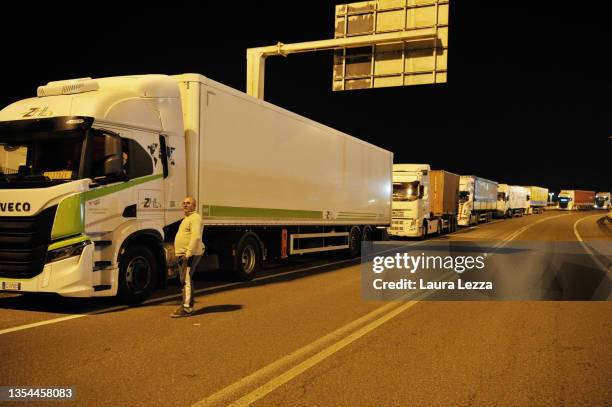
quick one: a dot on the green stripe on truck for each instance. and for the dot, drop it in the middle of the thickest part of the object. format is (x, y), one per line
(231, 211)
(70, 211)
(98, 193)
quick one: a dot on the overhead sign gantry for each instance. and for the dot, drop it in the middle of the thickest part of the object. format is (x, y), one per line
(377, 44)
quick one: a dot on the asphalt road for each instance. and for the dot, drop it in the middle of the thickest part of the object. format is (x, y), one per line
(301, 334)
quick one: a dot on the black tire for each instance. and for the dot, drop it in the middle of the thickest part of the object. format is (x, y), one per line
(248, 259)
(137, 274)
(354, 242)
(424, 231)
(367, 236)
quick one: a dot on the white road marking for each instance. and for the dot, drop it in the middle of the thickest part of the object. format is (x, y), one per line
(605, 281)
(319, 357)
(202, 290)
(337, 339)
(226, 393)
(168, 297)
(41, 323)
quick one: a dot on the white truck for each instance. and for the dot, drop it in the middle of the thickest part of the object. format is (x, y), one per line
(424, 201)
(477, 200)
(512, 200)
(602, 200)
(94, 171)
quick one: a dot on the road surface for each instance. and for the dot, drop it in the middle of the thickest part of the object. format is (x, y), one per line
(301, 334)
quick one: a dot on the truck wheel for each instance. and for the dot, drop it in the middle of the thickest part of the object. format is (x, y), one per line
(248, 256)
(354, 249)
(137, 274)
(367, 235)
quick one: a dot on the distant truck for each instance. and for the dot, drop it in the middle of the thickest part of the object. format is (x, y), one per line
(512, 200)
(94, 172)
(574, 199)
(602, 200)
(537, 199)
(424, 201)
(477, 200)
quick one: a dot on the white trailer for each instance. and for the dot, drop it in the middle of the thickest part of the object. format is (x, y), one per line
(477, 200)
(269, 184)
(512, 200)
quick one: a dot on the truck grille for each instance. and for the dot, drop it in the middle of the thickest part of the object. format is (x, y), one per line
(23, 243)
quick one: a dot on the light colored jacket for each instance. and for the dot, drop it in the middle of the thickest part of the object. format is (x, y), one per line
(188, 239)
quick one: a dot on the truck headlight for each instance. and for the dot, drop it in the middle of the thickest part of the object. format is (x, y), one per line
(66, 252)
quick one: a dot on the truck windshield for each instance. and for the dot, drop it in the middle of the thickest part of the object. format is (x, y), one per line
(48, 157)
(406, 191)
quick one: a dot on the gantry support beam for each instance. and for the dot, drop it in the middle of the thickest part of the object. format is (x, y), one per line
(256, 57)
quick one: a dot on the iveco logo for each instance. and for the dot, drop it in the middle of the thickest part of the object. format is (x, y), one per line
(14, 206)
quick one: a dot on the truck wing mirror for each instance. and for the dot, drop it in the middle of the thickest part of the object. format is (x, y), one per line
(421, 191)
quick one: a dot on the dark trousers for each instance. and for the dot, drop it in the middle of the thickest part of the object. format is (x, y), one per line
(186, 269)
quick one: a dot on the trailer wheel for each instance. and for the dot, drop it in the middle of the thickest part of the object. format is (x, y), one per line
(425, 228)
(367, 234)
(137, 274)
(248, 258)
(354, 249)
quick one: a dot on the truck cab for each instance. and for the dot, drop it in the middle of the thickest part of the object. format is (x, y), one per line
(91, 178)
(411, 206)
(602, 200)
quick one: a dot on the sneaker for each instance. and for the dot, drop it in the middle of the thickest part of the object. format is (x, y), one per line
(181, 312)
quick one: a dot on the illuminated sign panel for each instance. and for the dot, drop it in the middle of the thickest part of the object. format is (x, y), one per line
(414, 62)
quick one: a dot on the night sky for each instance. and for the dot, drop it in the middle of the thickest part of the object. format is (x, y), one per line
(527, 99)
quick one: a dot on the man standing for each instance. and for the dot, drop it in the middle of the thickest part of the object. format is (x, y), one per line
(189, 248)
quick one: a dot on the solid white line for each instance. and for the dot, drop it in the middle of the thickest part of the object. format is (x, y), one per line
(314, 360)
(283, 362)
(587, 248)
(226, 393)
(158, 299)
(604, 286)
(517, 232)
(336, 339)
(35, 324)
(202, 290)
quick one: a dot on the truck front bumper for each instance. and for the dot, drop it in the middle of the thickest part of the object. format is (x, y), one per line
(71, 277)
(405, 227)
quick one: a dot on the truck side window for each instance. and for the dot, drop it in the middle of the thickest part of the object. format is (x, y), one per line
(103, 147)
(138, 162)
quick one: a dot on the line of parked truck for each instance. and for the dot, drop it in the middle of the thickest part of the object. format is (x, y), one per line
(93, 171)
(427, 202)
